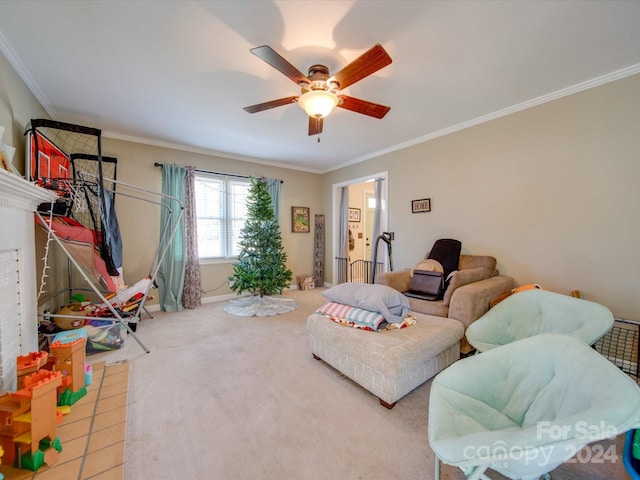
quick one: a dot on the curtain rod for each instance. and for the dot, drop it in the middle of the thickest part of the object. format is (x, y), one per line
(156, 164)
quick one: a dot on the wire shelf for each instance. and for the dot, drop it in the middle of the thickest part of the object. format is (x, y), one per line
(620, 346)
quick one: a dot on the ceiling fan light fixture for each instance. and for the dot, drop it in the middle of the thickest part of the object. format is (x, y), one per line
(318, 103)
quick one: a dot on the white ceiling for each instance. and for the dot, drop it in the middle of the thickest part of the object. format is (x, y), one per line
(177, 73)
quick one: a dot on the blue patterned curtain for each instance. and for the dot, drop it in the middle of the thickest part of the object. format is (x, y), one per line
(273, 185)
(172, 266)
(191, 296)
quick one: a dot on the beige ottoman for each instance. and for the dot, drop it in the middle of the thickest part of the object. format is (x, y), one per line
(391, 363)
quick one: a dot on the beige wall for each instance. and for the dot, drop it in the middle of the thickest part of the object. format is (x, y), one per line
(552, 192)
(139, 221)
(17, 107)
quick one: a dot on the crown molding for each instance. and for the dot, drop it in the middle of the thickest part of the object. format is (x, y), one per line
(201, 151)
(24, 74)
(13, 59)
(549, 97)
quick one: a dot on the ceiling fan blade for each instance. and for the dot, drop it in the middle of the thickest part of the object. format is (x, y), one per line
(315, 125)
(362, 106)
(273, 58)
(369, 62)
(272, 104)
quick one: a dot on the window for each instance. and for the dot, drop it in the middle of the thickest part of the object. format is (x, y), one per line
(221, 209)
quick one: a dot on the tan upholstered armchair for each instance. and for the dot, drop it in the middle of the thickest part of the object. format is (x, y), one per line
(467, 297)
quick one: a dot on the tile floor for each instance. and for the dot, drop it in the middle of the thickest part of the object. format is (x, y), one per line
(93, 434)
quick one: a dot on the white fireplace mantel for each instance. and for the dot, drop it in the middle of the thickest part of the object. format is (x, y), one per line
(16, 192)
(18, 302)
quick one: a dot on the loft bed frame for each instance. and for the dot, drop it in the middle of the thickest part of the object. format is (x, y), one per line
(86, 202)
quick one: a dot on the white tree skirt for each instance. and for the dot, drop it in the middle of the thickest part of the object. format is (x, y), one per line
(260, 306)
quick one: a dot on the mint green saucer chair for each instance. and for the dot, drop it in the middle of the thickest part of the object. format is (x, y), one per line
(531, 312)
(524, 408)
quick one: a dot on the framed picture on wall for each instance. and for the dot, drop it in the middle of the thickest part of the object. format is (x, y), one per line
(354, 214)
(421, 205)
(300, 219)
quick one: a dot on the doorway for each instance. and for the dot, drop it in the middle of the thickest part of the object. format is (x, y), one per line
(362, 207)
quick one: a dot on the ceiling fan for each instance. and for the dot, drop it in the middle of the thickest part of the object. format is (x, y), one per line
(319, 90)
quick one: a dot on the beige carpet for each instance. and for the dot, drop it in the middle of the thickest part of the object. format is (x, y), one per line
(224, 397)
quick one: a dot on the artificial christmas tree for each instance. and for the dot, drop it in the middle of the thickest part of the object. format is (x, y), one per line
(261, 268)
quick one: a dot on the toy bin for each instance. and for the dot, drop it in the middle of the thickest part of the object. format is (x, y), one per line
(105, 335)
(70, 336)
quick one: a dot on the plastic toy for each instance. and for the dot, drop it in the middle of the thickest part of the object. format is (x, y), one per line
(48, 383)
(28, 421)
(69, 360)
(28, 364)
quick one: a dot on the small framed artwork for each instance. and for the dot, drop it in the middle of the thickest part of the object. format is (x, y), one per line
(354, 214)
(421, 205)
(300, 219)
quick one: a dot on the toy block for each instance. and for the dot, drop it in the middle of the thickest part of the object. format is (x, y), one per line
(69, 352)
(29, 417)
(28, 364)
